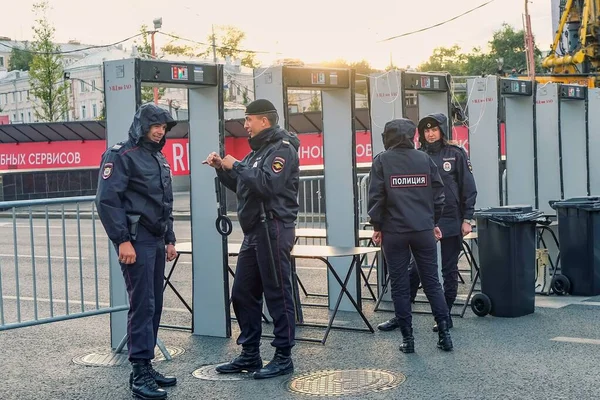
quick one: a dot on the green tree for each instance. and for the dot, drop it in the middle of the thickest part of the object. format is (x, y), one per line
(46, 70)
(315, 102)
(20, 59)
(447, 59)
(144, 48)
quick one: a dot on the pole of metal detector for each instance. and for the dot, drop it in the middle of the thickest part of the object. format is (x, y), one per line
(263, 220)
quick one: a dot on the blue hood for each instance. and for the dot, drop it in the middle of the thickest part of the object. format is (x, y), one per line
(436, 119)
(147, 115)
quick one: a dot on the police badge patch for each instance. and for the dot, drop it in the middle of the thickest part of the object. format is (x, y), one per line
(107, 170)
(447, 166)
(277, 164)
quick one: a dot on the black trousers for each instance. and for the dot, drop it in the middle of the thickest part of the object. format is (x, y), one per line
(397, 249)
(253, 278)
(451, 248)
(144, 282)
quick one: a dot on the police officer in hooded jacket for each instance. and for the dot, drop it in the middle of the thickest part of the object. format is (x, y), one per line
(406, 199)
(135, 204)
(461, 194)
(268, 175)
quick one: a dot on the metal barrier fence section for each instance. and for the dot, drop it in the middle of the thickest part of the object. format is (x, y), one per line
(50, 272)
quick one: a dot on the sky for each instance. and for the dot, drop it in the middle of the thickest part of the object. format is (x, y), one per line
(311, 30)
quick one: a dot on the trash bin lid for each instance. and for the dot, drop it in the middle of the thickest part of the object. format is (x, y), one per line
(510, 213)
(582, 203)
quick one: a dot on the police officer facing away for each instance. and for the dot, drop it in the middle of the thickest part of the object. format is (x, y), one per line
(406, 198)
(269, 174)
(135, 204)
(461, 194)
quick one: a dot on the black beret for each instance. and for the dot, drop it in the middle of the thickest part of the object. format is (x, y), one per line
(260, 106)
(427, 123)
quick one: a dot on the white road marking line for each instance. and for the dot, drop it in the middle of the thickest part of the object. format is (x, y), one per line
(575, 340)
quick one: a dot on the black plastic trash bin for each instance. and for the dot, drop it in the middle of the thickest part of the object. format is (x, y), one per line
(579, 238)
(507, 243)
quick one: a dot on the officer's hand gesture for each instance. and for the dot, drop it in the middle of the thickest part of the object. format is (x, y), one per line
(214, 160)
(377, 236)
(437, 233)
(466, 228)
(228, 161)
(171, 252)
(126, 253)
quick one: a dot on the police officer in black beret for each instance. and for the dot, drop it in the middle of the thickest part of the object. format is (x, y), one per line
(406, 199)
(461, 194)
(135, 204)
(268, 175)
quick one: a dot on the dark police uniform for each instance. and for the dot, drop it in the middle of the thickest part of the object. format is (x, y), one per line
(268, 174)
(406, 199)
(460, 192)
(135, 203)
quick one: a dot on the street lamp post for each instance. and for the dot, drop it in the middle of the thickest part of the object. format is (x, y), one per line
(157, 25)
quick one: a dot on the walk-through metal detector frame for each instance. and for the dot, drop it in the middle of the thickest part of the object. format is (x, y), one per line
(593, 126)
(339, 155)
(387, 101)
(387, 98)
(573, 141)
(123, 81)
(520, 135)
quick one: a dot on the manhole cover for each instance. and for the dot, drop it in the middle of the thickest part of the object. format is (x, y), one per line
(208, 373)
(109, 359)
(345, 382)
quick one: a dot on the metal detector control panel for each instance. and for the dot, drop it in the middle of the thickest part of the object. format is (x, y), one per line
(425, 82)
(573, 92)
(178, 73)
(516, 87)
(316, 78)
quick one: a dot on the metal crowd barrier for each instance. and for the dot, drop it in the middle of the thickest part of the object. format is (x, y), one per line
(50, 287)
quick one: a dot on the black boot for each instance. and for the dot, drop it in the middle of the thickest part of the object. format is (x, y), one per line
(281, 364)
(445, 341)
(143, 385)
(249, 361)
(408, 341)
(389, 325)
(450, 324)
(160, 379)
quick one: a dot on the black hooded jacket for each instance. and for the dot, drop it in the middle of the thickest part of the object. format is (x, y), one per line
(406, 193)
(270, 173)
(456, 172)
(135, 180)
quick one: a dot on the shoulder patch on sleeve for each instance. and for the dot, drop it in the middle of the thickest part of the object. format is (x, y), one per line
(285, 142)
(107, 170)
(116, 147)
(278, 164)
(469, 165)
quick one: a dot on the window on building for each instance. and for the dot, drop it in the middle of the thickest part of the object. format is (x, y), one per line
(94, 110)
(1, 61)
(29, 116)
(20, 96)
(28, 95)
(82, 83)
(83, 114)
(14, 96)
(22, 118)
(14, 118)
(93, 85)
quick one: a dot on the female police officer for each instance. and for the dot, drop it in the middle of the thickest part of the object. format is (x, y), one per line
(460, 192)
(406, 199)
(135, 204)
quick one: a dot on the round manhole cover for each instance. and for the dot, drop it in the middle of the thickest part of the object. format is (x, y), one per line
(345, 382)
(109, 359)
(208, 373)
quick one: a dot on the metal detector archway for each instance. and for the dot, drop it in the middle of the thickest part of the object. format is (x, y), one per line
(339, 156)
(572, 136)
(388, 98)
(593, 126)
(123, 81)
(519, 100)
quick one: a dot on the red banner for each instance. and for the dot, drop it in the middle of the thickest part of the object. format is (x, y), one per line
(76, 154)
(4, 120)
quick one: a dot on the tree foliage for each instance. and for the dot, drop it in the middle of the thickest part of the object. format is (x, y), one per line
(46, 70)
(506, 51)
(20, 59)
